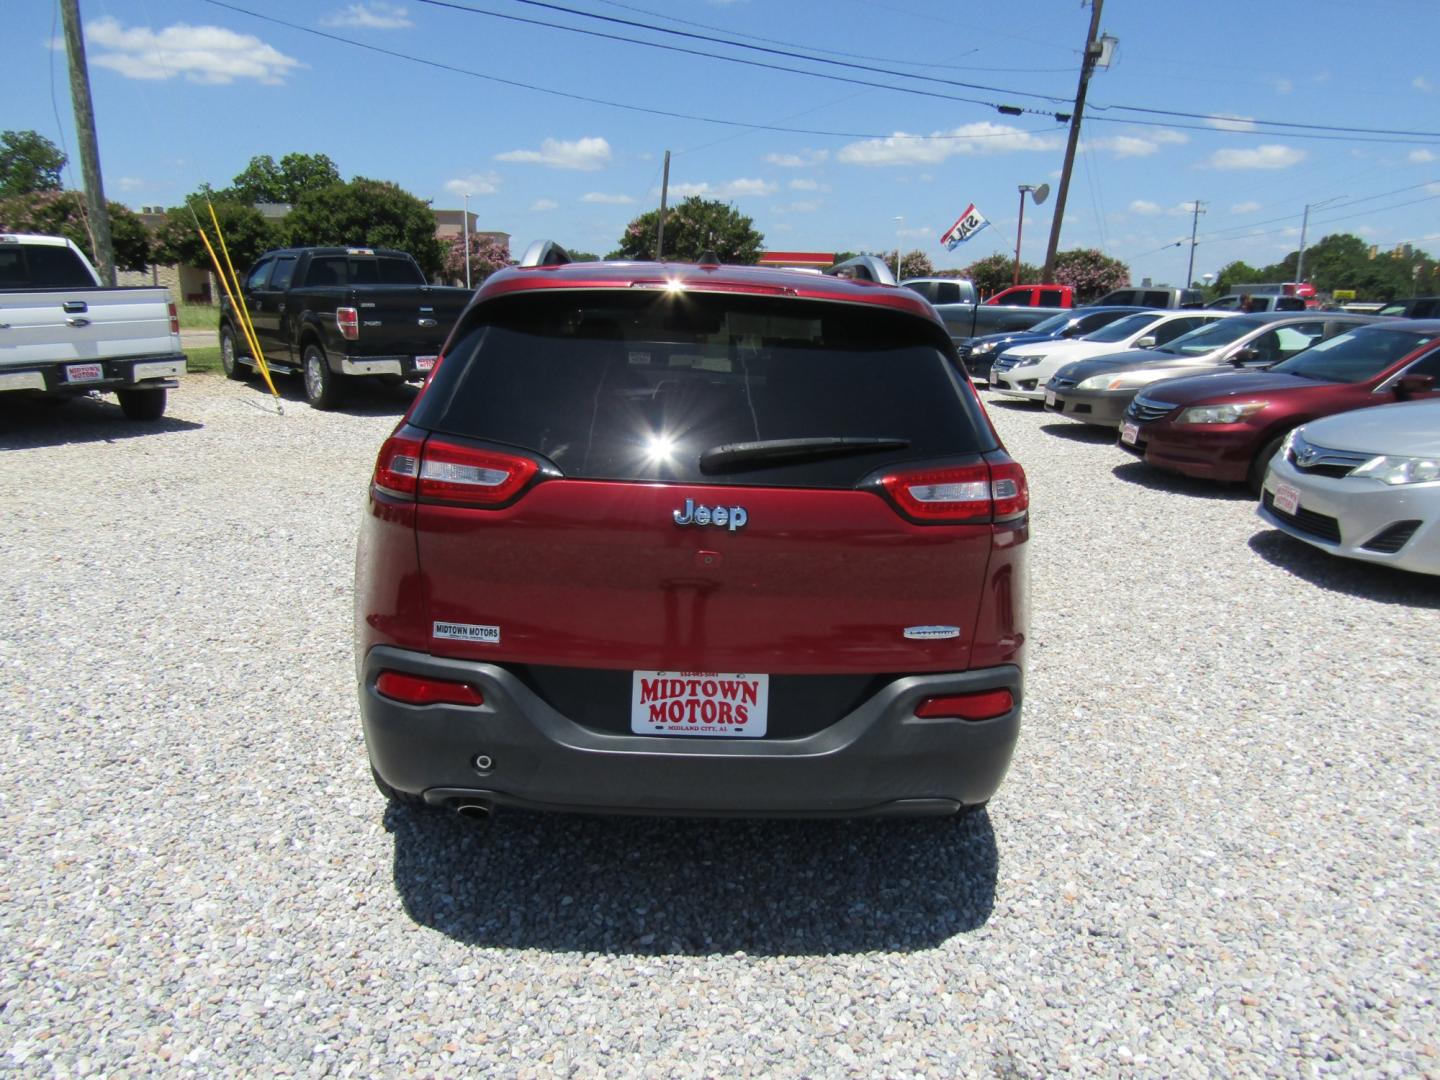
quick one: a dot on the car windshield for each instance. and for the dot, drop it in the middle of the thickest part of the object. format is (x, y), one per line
(702, 388)
(1122, 328)
(1212, 336)
(1055, 322)
(1355, 355)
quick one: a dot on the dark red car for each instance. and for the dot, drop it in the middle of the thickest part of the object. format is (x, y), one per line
(665, 538)
(1228, 426)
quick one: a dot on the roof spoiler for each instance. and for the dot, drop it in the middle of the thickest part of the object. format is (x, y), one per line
(545, 253)
(864, 268)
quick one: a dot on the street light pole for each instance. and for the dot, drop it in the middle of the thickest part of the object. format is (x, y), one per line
(898, 230)
(1020, 231)
(465, 226)
(1304, 225)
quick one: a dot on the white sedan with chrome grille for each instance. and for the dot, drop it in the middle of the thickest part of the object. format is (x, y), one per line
(1363, 484)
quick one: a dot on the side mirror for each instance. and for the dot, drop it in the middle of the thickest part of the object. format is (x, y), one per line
(1246, 355)
(1146, 342)
(1408, 386)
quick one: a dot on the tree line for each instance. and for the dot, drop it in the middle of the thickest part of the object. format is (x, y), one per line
(328, 210)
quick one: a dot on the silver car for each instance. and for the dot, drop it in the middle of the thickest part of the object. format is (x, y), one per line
(1363, 484)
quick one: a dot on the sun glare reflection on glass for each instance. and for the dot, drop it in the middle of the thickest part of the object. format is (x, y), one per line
(660, 448)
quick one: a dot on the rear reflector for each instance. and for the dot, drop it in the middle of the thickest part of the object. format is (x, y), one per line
(416, 690)
(348, 320)
(985, 705)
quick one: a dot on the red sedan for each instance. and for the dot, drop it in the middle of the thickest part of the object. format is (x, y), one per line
(1228, 426)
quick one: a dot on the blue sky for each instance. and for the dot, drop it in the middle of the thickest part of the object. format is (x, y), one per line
(187, 91)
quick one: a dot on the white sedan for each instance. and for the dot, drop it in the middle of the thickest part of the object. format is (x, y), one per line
(1023, 371)
(1363, 484)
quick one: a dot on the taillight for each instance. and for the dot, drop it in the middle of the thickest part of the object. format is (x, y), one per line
(348, 320)
(961, 494)
(986, 705)
(463, 474)
(418, 690)
(174, 320)
(397, 469)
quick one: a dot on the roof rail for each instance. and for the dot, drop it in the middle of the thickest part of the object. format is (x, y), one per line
(545, 253)
(864, 268)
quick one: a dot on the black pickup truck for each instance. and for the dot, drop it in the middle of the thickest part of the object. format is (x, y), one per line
(333, 313)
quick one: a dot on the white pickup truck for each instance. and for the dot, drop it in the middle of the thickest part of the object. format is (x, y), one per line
(64, 334)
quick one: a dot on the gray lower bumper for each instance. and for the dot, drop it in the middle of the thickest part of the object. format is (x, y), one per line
(879, 759)
(1106, 409)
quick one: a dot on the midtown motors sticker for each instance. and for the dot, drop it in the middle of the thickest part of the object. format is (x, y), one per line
(710, 703)
(459, 631)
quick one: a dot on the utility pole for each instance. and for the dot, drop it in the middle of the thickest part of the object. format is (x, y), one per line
(900, 228)
(664, 193)
(1087, 66)
(1304, 225)
(85, 133)
(1194, 223)
(465, 228)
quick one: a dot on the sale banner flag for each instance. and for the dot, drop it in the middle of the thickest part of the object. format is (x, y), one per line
(969, 223)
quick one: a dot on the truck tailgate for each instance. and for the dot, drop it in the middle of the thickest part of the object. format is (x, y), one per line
(405, 320)
(49, 325)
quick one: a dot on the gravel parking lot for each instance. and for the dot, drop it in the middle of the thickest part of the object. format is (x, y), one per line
(1215, 854)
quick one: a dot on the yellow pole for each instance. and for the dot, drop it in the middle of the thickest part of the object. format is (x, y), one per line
(240, 306)
(236, 304)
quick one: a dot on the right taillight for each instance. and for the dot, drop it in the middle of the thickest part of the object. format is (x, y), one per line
(397, 469)
(961, 494)
(348, 320)
(465, 474)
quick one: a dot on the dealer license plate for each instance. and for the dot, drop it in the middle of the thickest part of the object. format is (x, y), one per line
(84, 372)
(1287, 499)
(1129, 433)
(424, 363)
(716, 704)
(1049, 397)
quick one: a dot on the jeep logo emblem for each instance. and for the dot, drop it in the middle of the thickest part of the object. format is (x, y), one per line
(725, 517)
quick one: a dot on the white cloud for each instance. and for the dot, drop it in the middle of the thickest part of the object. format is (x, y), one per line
(586, 154)
(544, 204)
(798, 161)
(1232, 123)
(804, 185)
(131, 183)
(606, 200)
(371, 16)
(202, 54)
(1245, 207)
(1144, 206)
(983, 137)
(731, 189)
(474, 184)
(1124, 146)
(1269, 156)
(1421, 83)
(1282, 86)
(1420, 157)
(1433, 189)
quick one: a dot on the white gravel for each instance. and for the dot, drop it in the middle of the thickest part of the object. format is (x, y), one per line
(1216, 852)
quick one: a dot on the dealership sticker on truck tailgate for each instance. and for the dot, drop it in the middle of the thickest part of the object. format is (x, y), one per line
(84, 372)
(711, 703)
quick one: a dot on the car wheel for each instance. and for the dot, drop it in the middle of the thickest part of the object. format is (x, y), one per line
(229, 357)
(322, 386)
(1256, 477)
(146, 404)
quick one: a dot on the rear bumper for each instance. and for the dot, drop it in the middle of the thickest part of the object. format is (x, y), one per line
(404, 366)
(878, 759)
(55, 376)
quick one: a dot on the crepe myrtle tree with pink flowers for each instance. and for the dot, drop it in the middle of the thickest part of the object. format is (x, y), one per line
(487, 254)
(1090, 273)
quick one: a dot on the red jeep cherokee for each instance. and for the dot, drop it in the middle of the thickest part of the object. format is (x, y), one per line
(664, 538)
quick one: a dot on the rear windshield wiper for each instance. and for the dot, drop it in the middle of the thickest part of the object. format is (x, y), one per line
(732, 457)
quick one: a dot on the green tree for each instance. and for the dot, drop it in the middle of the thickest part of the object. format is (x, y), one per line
(247, 234)
(997, 271)
(265, 181)
(1234, 275)
(1090, 273)
(63, 213)
(368, 213)
(913, 264)
(29, 162)
(694, 226)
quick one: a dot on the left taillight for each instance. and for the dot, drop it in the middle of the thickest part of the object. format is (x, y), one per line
(961, 494)
(453, 473)
(348, 321)
(174, 319)
(420, 690)
(397, 469)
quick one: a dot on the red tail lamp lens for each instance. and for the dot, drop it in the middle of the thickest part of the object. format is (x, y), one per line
(957, 494)
(397, 469)
(1010, 490)
(462, 474)
(174, 320)
(348, 320)
(985, 705)
(416, 690)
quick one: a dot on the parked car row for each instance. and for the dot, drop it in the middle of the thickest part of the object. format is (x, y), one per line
(1332, 419)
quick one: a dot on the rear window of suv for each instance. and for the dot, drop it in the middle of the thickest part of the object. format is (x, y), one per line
(638, 385)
